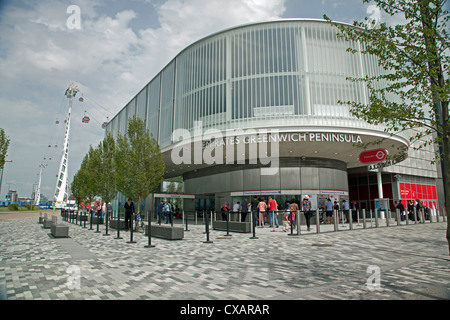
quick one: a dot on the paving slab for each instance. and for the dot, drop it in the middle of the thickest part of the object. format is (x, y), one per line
(394, 263)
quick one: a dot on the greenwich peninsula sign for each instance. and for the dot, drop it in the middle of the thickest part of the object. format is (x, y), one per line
(210, 147)
(282, 137)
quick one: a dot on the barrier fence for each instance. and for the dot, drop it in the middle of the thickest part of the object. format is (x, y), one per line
(293, 223)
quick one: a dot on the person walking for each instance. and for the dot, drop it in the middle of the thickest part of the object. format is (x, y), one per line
(273, 207)
(129, 211)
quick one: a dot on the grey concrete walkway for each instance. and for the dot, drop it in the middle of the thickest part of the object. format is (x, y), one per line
(397, 262)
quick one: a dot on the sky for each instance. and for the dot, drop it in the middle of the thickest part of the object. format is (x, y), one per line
(110, 49)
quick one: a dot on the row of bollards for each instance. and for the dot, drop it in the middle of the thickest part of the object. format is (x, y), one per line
(294, 218)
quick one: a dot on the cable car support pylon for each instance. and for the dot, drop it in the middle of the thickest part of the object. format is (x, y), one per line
(61, 183)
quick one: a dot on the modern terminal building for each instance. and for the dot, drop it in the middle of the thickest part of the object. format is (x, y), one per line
(253, 111)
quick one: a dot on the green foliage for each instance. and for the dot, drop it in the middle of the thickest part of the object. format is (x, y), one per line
(4, 144)
(138, 163)
(413, 92)
(13, 207)
(105, 182)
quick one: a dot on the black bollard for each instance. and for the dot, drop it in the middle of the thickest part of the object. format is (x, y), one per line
(90, 222)
(106, 223)
(186, 220)
(254, 225)
(228, 234)
(207, 230)
(118, 227)
(131, 231)
(149, 232)
(85, 218)
(98, 223)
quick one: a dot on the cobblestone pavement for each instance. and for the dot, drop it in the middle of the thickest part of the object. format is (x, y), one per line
(395, 263)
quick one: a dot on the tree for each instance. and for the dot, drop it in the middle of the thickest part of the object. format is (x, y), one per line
(138, 163)
(105, 181)
(4, 144)
(84, 186)
(413, 93)
(78, 187)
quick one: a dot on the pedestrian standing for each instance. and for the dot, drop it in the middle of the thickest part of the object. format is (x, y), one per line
(329, 211)
(262, 206)
(254, 210)
(293, 208)
(244, 210)
(129, 211)
(168, 209)
(160, 209)
(306, 207)
(273, 207)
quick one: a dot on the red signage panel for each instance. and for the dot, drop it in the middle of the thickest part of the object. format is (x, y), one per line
(371, 156)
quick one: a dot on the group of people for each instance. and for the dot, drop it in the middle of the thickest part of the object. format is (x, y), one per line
(165, 210)
(265, 211)
(412, 204)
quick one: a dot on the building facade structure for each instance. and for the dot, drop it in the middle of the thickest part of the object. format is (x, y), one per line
(253, 111)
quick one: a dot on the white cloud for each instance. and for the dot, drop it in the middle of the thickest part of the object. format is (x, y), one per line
(107, 58)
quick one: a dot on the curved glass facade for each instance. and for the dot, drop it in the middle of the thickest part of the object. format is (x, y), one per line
(281, 73)
(287, 75)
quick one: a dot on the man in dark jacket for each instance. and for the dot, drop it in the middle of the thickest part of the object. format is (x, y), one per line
(129, 211)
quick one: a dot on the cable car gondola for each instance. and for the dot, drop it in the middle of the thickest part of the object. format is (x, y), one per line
(85, 118)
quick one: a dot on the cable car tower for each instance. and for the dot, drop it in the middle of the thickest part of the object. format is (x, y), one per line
(61, 183)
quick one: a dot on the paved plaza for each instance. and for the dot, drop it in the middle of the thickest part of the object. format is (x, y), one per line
(405, 262)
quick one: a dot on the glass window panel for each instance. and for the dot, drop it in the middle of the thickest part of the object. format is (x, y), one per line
(153, 109)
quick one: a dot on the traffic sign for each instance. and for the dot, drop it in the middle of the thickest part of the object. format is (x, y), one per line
(372, 156)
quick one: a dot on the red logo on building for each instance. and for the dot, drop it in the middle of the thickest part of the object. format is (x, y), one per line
(371, 156)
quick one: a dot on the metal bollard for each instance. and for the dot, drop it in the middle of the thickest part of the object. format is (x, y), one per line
(106, 223)
(397, 215)
(118, 227)
(98, 223)
(149, 231)
(90, 222)
(317, 221)
(185, 219)
(376, 218)
(253, 224)
(131, 231)
(207, 231)
(228, 218)
(335, 220)
(364, 218)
